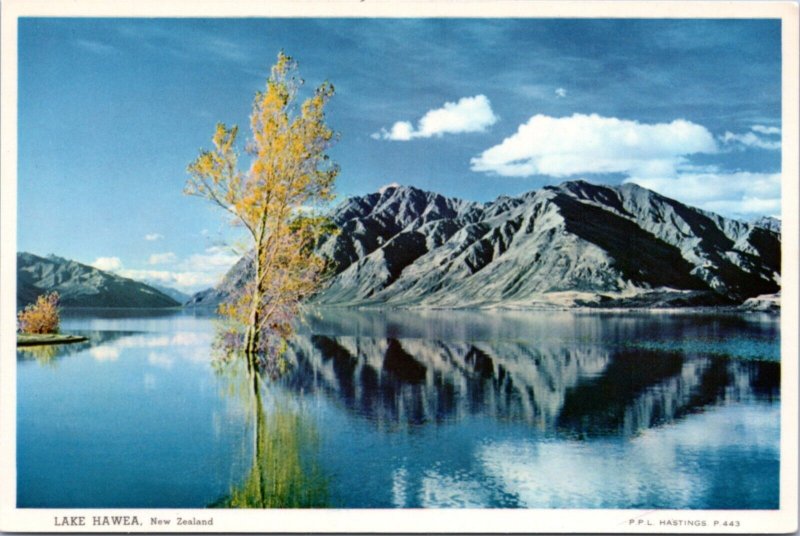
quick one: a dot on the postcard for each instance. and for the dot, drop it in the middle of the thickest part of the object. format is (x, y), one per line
(505, 267)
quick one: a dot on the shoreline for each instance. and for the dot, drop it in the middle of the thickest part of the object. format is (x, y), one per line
(541, 307)
(48, 339)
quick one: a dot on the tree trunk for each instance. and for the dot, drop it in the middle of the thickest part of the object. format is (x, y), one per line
(253, 335)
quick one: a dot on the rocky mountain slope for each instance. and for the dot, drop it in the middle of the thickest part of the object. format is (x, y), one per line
(234, 279)
(80, 285)
(768, 222)
(568, 245)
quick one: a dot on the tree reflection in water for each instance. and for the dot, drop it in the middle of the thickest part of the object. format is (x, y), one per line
(285, 470)
(50, 354)
(44, 354)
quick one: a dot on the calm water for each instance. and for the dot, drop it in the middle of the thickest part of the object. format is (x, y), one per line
(408, 409)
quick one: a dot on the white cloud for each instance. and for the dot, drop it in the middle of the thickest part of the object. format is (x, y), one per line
(198, 271)
(760, 137)
(201, 270)
(214, 258)
(107, 264)
(401, 131)
(184, 280)
(162, 258)
(561, 93)
(564, 146)
(469, 114)
(761, 129)
(153, 236)
(740, 194)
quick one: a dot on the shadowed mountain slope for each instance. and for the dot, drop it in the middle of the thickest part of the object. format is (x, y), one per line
(573, 244)
(80, 285)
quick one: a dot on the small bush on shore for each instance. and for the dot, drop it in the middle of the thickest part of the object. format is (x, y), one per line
(40, 317)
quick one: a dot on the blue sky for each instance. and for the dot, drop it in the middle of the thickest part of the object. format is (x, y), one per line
(111, 111)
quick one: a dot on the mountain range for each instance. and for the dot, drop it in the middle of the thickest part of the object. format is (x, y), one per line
(80, 285)
(575, 244)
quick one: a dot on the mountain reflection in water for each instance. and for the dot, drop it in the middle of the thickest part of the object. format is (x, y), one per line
(574, 391)
(409, 409)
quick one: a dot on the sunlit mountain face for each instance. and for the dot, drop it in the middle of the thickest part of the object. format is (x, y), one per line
(576, 244)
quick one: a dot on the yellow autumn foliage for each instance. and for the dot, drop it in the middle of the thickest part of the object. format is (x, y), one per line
(40, 317)
(288, 171)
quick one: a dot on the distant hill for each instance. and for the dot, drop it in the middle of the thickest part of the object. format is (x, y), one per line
(234, 279)
(575, 244)
(80, 285)
(175, 294)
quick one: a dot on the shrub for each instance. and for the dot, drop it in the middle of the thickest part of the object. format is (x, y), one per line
(40, 317)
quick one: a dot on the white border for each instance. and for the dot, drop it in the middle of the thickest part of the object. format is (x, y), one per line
(410, 521)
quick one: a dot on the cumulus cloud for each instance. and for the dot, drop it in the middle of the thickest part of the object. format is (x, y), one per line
(400, 131)
(107, 264)
(201, 270)
(161, 258)
(740, 194)
(153, 236)
(759, 136)
(561, 93)
(192, 273)
(469, 114)
(182, 280)
(565, 146)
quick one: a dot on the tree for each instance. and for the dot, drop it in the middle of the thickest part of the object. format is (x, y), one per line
(40, 317)
(288, 171)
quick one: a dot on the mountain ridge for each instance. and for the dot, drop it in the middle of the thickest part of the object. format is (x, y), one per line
(81, 285)
(572, 244)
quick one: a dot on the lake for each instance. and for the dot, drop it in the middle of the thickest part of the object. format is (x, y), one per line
(407, 409)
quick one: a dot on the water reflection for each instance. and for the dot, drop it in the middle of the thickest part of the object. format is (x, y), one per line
(285, 471)
(646, 328)
(577, 390)
(50, 354)
(428, 409)
(43, 354)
